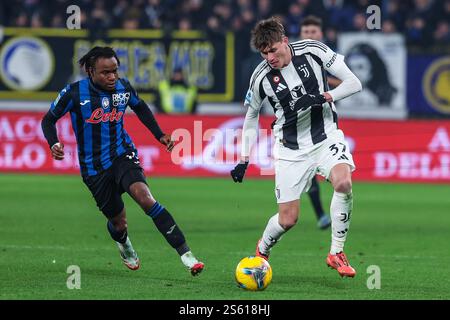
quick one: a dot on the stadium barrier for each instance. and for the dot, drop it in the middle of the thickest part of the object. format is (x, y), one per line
(404, 151)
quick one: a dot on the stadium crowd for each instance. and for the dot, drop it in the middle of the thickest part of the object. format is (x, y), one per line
(424, 22)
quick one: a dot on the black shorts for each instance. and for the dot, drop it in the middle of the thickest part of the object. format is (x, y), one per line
(107, 187)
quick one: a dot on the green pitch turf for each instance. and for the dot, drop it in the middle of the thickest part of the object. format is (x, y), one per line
(48, 223)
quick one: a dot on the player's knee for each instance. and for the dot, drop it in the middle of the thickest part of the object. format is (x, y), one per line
(289, 218)
(143, 197)
(343, 186)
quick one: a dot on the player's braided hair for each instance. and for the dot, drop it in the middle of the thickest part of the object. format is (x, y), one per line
(88, 60)
(267, 32)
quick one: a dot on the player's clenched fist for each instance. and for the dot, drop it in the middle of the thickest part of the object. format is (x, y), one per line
(239, 171)
(58, 151)
(168, 142)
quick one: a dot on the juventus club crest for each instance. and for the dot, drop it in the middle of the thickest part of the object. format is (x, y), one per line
(303, 68)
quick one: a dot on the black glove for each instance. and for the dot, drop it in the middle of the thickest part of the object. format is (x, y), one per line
(309, 100)
(239, 171)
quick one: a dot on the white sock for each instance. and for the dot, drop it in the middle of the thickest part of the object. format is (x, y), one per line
(340, 211)
(272, 234)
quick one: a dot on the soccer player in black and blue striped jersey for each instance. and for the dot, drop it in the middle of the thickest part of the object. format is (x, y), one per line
(108, 158)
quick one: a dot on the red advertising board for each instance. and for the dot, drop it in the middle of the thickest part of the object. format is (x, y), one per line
(409, 151)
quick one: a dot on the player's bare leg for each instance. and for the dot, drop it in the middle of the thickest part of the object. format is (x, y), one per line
(117, 227)
(340, 210)
(165, 223)
(278, 224)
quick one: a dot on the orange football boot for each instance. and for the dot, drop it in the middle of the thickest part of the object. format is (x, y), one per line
(340, 263)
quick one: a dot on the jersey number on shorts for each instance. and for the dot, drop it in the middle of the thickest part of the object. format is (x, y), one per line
(133, 157)
(335, 149)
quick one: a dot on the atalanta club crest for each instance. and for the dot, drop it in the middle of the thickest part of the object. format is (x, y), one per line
(105, 103)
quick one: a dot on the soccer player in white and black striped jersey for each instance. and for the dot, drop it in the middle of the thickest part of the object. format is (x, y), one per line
(307, 138)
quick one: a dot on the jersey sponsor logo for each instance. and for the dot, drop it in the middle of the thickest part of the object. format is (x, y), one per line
(333, 59)
(105, 103)
(296, 93)
(98, 115)
(280, 87)
(120, 99)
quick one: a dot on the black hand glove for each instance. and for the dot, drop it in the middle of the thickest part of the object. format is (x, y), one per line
(239, 171)
(309, 100)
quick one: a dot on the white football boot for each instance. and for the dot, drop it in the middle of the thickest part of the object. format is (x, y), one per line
(194, 266)
(128, 255)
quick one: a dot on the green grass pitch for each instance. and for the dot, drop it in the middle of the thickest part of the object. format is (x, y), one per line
(48, 223)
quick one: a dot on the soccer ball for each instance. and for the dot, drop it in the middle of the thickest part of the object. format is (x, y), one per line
(253, 273)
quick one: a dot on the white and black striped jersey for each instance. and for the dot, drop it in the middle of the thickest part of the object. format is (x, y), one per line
(305, 74)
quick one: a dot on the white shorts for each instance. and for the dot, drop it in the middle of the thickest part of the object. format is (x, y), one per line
(292, 178)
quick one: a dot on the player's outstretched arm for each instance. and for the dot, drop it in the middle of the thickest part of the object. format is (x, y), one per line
(248, 137)
(146, 116)
(48, 125)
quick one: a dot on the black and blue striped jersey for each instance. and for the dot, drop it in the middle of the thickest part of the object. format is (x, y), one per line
(97, 121)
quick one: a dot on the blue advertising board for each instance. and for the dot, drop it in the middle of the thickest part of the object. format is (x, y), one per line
(428, 88)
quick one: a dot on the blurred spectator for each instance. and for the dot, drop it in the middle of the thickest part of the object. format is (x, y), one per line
(422, 21)
(293, 18)
(213, 25)
(415, 30)
(57, 21)
(176, 95)
(359, 22)
(331, 38)
(340, 16)
(442, 33)
(388, 26)
(99, 21)
(117, 13)
(130, 23)
(21, 20)
(263, 9)
(36, 21)
(395, 14)
(184, 24)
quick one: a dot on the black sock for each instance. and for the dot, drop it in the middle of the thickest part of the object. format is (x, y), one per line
(119, 236)
(168, 228)
(314, 195)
